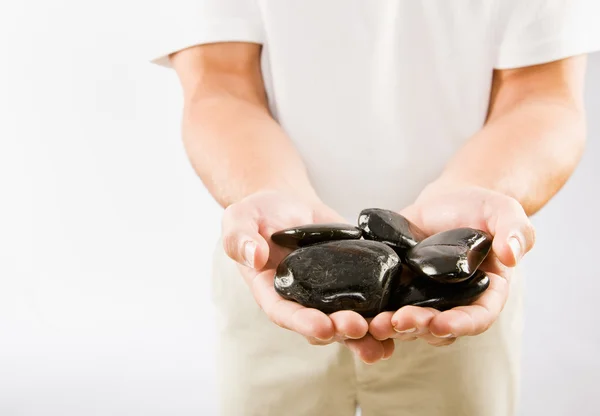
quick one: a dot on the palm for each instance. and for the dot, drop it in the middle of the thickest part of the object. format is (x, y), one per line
(476, 208)
(274, 212)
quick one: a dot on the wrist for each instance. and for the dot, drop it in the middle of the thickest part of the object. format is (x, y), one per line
(445, 185)
(305, 194)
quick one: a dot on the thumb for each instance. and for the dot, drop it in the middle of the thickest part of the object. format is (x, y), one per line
(513, 232)
(241, 238)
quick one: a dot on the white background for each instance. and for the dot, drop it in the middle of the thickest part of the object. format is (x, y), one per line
(106, 234)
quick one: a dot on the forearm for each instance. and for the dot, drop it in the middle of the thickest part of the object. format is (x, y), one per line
(527, 153)
(237, 149)
(533, 138)
(232, 141)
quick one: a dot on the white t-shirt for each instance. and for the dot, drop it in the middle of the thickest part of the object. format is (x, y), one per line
(377, 95)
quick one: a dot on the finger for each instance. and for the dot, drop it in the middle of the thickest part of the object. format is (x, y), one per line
(241, 238)
(349, 324)
(493, 265)
(381, 327)
(431, 339)
(413, 320)
(367, 349)
(388, 348)
(441, 342)
(476, 318)
(290, 315)
(513, 232)
(317, 342)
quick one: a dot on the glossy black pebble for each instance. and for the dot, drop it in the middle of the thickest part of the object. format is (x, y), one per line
(421, 291)
(450, 256)
(339, 275)
(389, 227)
(306, 235)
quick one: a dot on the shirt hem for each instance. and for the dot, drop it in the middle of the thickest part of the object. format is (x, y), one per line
(231, 30)
(544, 52)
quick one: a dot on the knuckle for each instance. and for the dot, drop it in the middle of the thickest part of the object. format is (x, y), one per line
(279, 319)
(276, 320)
(478, 329)
(260, 306)
(489, 323)
(484, 328)
(423, 320)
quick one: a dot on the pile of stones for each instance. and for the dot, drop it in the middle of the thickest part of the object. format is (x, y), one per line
(383, 264)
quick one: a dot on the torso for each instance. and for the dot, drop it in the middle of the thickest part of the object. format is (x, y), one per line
(378, 95)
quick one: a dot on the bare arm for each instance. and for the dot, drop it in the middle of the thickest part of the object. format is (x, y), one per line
(534, 135)
(528, 148)
(251, 167)
(233, 143)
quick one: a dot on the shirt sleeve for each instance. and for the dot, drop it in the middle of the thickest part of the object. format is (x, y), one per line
(185, 23)
(541, 31)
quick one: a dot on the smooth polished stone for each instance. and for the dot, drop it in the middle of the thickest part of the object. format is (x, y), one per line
(306, 235)
(416, 290)
(450, 256)
(389, 227)
(352, 275)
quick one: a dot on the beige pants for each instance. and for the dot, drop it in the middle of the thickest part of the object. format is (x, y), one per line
(265, 370)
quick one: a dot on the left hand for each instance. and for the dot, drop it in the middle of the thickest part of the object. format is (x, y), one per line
(250, 222)
(442, 207)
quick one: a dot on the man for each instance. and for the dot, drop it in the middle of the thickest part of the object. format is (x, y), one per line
(455, 113)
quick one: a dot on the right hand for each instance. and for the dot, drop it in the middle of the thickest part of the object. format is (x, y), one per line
(247, 227)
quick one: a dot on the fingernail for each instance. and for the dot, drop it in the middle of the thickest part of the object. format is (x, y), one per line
(515, 247)
(405, 331)
(386, 358)
(324, 340)
(249, 250)
(442, 336)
